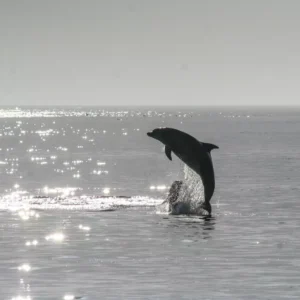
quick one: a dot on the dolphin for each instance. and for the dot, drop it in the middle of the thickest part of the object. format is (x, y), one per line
(193, 153)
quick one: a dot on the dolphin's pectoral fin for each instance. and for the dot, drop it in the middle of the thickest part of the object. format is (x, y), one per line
(168, 152)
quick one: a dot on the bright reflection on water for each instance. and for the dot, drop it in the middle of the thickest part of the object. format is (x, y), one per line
(69, 297)
(85, 228)
(56, 237)
(63, 148)
(59, 163)
(159, 187)
(27, 214)
(24, 267)
(31, 243)
(137, 249)
(106, 191)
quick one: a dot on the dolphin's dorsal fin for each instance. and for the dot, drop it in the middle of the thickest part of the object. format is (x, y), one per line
(168, 152)
(208, 147)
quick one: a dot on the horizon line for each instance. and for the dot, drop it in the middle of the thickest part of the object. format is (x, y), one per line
(147, 105)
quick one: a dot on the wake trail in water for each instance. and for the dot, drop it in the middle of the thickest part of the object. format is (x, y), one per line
(84, 203)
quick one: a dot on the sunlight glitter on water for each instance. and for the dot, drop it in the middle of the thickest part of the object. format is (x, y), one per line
(69, 297)
(85, 228)
(31, 243)
(24, 205)
(34, 158)
(64, 192)
(158, 187)
(64, 149)
(81, 112)
(24, 267)
(99, 172)
(46, 132)
(27, 214)
(171, 237)
(56, 237)
(106, 191)
(21, 298)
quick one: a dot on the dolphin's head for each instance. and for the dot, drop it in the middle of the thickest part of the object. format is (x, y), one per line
(168, 136)
(160, 134)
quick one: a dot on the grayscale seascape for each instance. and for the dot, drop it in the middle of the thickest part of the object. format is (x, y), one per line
(61, 240)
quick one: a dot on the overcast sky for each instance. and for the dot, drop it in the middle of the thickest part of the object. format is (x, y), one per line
(149, 52)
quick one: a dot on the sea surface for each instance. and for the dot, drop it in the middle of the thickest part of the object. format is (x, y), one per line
(61, 239)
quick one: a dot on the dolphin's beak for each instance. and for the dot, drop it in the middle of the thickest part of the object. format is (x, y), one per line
(150, 134)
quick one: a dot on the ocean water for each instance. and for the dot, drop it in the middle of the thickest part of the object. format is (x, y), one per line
(61, 240)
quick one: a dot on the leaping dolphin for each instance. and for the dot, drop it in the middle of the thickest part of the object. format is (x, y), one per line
(193, 153)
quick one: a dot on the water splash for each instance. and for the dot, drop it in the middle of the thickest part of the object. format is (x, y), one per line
(192, 190)
(185, 197)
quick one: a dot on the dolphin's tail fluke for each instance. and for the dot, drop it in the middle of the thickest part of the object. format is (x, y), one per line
(208, 147)
(206, 206)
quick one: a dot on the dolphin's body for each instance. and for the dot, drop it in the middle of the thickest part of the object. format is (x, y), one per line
(193, 153)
